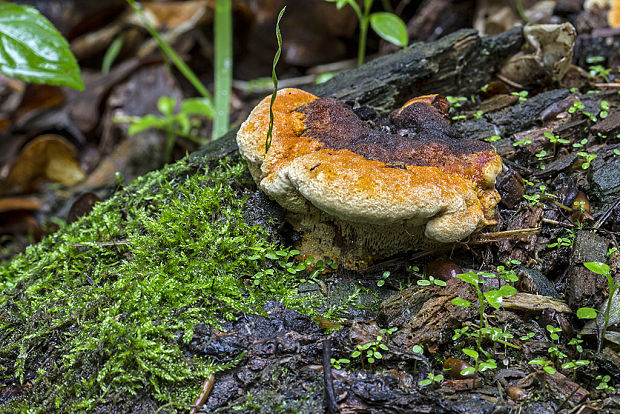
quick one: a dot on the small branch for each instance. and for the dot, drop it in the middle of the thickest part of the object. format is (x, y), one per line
(330, 395)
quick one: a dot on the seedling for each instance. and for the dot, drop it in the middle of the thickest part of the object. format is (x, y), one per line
(577, 106)
(589, 157)
(547, 366)
(536, 198)
(603, 384)
(372, 350)
(387, 25)
(478, 114)
(524, 141)
(527, 336)
(456, 101)
(522, 95)
(492, 297)
(431, 379)
(479, 366)
(604, 109)
(591, 313)
(338, 363)
(555, 139)
(384, 277)
(554, 351)
(561, 242)
(180, 124)
(493, 138)
(580, 144)
(431, 281)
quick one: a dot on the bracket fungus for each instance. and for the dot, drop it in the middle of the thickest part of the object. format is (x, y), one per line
(358, 191)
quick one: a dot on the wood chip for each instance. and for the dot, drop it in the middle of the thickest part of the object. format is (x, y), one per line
(534, 303)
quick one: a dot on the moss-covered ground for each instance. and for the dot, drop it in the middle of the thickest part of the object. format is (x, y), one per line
(100, 310)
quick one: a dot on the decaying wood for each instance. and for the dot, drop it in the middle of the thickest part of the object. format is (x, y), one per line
(458, 64)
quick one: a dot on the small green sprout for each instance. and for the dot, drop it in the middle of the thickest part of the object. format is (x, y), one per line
(522, 95)
(384, 276)
(541, 154)
(479, 366)
(371, 349)
(526, 140)
(581, 143)
(604, 109)
(603, 384)
(431, 379)
(577, 106)
(547, 366)
(589, 157)
(591, 313)
(493, 138)
(431, 281)
(338, 363)
(478, 114)
(527, 336)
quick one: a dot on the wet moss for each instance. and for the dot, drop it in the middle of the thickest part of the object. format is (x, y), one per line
(100, 311)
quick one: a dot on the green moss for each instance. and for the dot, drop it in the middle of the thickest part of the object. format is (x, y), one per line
(101, 309)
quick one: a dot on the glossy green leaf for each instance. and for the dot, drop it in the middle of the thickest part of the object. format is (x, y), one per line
(461, 302)
(198, 106)
(470, 278)
(471, 353)
(586, 313)
(390, 27)
(31, 49)
(597, 267)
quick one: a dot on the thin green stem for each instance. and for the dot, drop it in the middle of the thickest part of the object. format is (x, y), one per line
(171, 54)
(223, 66)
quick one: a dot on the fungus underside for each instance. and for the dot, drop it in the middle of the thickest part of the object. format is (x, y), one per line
(84, 321)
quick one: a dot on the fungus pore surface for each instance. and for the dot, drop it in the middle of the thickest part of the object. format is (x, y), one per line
(357, 189)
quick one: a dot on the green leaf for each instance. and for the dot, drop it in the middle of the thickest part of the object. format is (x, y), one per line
(468, 371)
(425, 382)
(198, 106)
(390, 27)
(461, 302)
(31, 49)
(470, 278)
(507, 291)
(494, 297)
(549, 369)
(586, 313)
(471, 353)
(165, 104)
(597, 267)
(112, 53)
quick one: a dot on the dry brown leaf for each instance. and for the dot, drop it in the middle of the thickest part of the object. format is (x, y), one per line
(47, 157)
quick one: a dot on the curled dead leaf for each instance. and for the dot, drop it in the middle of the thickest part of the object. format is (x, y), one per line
(47, 157)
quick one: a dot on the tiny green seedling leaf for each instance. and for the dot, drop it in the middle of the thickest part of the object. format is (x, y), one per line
(390, 27)
(461, 302)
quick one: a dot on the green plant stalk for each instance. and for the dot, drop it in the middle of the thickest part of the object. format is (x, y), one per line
(606, 315)
(364, 22)
(223, 66)
(274, 78)
(175, 131)
(171, 54)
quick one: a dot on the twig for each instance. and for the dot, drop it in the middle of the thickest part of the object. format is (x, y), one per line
(330, 395)
(606, 214)
(503, 235)
(207, 386)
